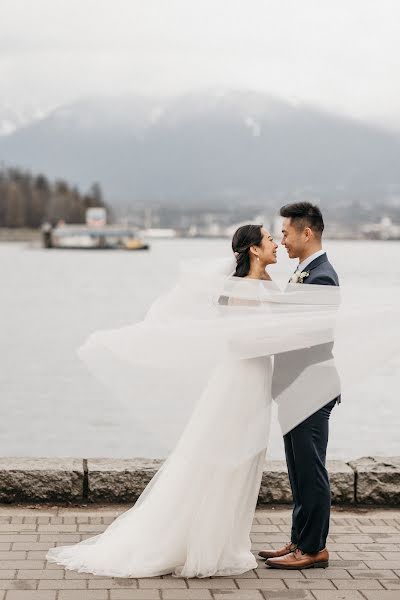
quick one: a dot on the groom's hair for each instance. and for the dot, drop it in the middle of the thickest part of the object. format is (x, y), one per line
(304, 214)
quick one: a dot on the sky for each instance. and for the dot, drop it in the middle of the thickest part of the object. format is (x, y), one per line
(340, 55)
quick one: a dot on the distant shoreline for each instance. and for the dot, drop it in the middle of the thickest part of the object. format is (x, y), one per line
(24, 234)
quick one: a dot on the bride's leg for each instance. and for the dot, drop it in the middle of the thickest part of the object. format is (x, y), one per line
(235, 451)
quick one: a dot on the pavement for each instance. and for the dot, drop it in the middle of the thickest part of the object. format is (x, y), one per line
(364, 547)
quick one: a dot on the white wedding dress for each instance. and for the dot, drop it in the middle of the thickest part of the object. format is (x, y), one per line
(194, 517)
(209, 362)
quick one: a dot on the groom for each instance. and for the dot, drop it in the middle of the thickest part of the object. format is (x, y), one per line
(306, 444)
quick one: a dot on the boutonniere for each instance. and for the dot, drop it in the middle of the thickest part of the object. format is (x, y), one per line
(299, 277)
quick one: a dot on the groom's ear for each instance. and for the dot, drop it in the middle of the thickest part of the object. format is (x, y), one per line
(308, 232)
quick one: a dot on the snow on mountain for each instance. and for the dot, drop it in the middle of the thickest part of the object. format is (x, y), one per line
(14, 117)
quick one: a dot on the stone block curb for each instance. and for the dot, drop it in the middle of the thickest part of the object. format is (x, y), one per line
(275, 486)
(377, 480)
(41, 479)
(119, 480)
(368, 480)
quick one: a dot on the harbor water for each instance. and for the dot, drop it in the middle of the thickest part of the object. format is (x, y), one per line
(51, 300)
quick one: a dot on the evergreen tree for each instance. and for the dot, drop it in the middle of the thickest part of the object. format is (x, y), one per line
(29, 201)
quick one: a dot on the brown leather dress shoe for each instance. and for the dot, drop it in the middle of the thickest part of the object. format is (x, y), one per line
(290, 547)
(301, 560)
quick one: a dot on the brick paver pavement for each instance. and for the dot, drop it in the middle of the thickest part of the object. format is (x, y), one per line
(364, 564)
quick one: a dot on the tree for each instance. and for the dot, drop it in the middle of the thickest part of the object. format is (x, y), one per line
(28, 201)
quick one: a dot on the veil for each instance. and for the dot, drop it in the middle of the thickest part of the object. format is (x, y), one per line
(323, 341)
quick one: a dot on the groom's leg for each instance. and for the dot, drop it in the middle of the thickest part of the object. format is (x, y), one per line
(309, 442)
(296, 514)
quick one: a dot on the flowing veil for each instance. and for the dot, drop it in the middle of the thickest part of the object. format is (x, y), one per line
(160, 365)
(199, 371)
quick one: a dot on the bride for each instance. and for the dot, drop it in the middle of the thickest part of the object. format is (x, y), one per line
(194, 517)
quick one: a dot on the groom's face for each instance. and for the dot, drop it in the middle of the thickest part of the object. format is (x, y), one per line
(293, 239)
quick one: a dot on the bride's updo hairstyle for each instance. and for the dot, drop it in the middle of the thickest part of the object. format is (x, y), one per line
(243, 238)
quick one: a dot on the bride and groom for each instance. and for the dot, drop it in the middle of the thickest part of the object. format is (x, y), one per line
(194, 517)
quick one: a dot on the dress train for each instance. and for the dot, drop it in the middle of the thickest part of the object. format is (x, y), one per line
(194, 517)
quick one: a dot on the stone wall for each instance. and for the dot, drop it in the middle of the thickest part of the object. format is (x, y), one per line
(368, 481)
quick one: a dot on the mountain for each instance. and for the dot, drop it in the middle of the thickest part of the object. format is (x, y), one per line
(208, 148)
(14, 117)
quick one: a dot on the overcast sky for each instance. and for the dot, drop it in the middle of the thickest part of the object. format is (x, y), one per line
(343, 55)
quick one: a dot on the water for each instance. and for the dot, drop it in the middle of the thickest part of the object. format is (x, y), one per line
(51, 301)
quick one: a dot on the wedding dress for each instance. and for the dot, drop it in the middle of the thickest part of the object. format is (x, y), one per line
(194, 517)
(213, 363)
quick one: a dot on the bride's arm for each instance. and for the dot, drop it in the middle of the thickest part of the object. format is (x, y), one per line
(243, 302)
(231, 301)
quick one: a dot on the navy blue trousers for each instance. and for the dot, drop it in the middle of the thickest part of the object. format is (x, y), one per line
(305, 449)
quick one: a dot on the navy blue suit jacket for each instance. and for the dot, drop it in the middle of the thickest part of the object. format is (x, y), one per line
(321, 272)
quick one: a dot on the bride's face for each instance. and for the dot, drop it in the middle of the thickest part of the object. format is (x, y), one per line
(267, 249)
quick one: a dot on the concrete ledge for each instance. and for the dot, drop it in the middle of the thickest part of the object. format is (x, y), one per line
(275, 486)
(41, 479)
(377, 480)
(119, 480)
(342, 478)
(370, 480)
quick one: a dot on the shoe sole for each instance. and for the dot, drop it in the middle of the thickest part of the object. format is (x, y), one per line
(317, 565)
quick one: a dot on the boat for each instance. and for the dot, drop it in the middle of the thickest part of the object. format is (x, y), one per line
(94, 235)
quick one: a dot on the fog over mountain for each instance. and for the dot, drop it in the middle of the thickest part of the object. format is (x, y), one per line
(13, 118)
(207, 149)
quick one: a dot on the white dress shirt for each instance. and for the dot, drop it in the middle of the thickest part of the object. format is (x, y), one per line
(308, 260)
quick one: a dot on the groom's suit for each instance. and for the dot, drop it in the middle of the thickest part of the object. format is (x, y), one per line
(306, 444)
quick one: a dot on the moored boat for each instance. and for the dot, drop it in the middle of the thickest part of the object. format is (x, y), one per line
(94, 235)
